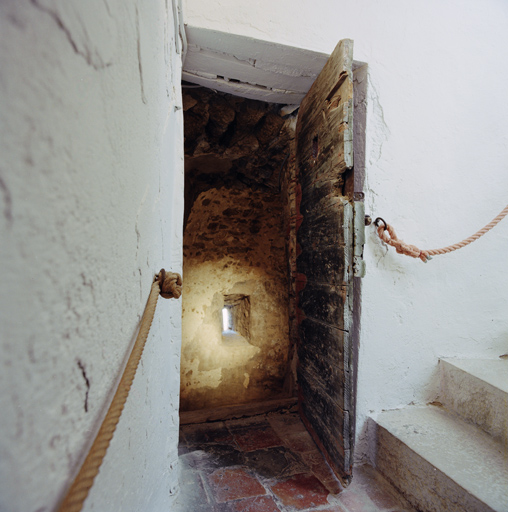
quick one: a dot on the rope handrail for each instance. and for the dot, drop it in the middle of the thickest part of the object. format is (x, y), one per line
(387, 234)
(168, 285)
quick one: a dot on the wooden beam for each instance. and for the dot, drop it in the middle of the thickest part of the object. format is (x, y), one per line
(249, 67)
(236, 411)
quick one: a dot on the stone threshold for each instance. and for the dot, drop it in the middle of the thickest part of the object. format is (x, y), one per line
(237, 411)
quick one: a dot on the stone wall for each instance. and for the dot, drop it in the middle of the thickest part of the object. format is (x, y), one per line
(234, 244)
(229, 139)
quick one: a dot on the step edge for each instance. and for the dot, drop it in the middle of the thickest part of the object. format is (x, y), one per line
(497, 449)
(451, 395)
(453, 362)
(406, 493)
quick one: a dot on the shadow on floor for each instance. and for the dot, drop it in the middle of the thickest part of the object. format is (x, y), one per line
(269, 463)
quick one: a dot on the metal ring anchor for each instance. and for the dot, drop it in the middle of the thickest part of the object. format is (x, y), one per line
(376, 223)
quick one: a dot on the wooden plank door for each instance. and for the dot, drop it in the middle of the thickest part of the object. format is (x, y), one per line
(324, 159)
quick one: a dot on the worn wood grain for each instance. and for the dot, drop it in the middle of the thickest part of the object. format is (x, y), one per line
(243, 89)
(322, 266)
(249, 67)
(229, 66)
(324, 142)
(321, 227)
(329, 192)
(236, 411)
(325, 303)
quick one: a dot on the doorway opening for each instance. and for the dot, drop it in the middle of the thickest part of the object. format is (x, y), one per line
(236, 341)
(271, 204)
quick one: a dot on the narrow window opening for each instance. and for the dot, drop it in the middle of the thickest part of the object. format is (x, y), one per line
(227, 320)
(236, 315)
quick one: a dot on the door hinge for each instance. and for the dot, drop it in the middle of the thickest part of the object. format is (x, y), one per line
(359, 239)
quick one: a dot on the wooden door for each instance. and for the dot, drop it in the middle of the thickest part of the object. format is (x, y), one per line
(324, 159)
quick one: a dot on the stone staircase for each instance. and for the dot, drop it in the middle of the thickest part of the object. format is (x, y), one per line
(452, 455)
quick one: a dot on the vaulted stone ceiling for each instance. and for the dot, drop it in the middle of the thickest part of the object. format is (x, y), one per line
(231, 141)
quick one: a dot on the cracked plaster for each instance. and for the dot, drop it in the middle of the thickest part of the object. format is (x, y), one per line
(81, 151)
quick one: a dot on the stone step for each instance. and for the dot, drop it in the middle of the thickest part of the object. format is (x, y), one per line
(477, 390)
(439, 462)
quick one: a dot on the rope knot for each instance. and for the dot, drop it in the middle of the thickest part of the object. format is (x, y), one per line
(170, 284)
(387, 234)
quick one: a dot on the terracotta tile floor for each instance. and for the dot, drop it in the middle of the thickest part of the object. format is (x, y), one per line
(269, 463)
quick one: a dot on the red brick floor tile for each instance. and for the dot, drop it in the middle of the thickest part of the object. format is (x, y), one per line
(233, 484)
(301, 442)
(286, 424)
(213, 456)
(277, 462)
(275, 451)
(206, 433)
(301, 492)
(257, 504)
(334, 486)
(313, 457)
(326, 476)
(315, 461)
(250, 439)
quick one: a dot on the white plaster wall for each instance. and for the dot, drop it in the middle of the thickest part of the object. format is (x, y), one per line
(436, 153)
(91, 202)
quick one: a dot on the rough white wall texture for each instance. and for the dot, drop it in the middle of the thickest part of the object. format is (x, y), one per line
(436, 153)
(91, 203)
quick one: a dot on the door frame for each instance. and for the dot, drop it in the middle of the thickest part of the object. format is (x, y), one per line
(271, 72)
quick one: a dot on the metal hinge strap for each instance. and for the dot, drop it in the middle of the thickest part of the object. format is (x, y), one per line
(359, 239)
